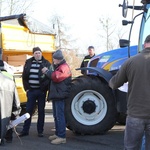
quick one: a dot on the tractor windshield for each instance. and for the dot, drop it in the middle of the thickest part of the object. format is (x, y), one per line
(145, 27)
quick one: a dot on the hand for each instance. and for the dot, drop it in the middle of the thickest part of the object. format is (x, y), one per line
(44, 70)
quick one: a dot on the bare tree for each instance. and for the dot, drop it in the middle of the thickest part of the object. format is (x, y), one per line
(110, 32)
(63, 39)
(11, 7)
(107, 29)
(66, 43)
(73, 61)
(120, 32)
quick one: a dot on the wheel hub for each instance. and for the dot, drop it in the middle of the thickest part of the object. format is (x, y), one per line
(89, 106)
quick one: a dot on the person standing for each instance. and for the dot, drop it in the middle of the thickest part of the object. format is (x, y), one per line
(136, 71)
(91, 53)
(59, 90)
(4, 71)
(143, 143)
(36, 86)
(9, 106)
(9, 133)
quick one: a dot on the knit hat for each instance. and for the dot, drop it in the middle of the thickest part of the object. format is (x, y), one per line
(36, 49)
(1, 65)
(90, 47)
(147, 40)
(58, 55)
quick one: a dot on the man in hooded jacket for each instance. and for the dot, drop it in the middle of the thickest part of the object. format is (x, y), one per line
(9, 104)
(60, 77)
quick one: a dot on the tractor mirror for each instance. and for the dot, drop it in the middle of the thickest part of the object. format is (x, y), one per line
(125, 8)
(124, 43)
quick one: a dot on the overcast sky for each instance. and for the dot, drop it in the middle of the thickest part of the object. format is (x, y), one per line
(83, 15)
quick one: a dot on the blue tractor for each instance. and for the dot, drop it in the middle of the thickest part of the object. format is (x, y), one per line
(93, 107)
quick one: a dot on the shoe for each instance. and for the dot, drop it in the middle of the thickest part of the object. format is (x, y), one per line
(53, 137)
(58, 140)
(40, 135)
(22, 133)
(8, 140)
(2, 143)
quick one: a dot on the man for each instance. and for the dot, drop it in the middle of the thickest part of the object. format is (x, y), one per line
(36, 86)
(4, 70)
(9, 133)
(9, 106)
(59, 91)
(91, 53)
(136, 71)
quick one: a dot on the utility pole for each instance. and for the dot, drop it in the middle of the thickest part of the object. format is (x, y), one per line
(0, 7)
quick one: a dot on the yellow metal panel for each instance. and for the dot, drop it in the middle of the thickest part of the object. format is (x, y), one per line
(20, 89)
(19, 38)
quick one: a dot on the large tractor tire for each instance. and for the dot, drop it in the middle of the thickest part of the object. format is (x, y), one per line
(90, 109)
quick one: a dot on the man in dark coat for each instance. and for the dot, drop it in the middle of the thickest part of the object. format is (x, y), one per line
(136, 71)
(36, 85)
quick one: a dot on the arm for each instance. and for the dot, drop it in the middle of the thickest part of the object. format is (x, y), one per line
(25, 77)
(119, 78)
(82, 65)
(47, 71)
(16, 109)
(61, 73)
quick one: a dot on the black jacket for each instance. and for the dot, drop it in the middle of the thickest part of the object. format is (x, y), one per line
(44, 81)
(85, 62)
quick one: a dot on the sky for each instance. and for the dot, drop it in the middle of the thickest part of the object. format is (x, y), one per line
(83, 17)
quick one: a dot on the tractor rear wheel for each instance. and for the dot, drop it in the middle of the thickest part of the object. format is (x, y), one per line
(90, 109)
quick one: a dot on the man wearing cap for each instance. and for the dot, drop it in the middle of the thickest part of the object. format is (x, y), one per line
(136, 71)
(87, 58)
(60, 77)
(36, 85)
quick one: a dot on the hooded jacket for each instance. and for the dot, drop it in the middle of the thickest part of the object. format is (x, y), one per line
(60, 81)
(9, 103)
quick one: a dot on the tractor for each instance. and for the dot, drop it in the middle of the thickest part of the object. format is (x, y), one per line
(93, 107)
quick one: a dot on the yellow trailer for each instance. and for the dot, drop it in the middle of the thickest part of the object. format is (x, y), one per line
(18, 35)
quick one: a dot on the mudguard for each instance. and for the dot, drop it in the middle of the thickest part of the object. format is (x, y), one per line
(106, 75)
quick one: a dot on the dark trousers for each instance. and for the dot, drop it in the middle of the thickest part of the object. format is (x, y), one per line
(33, 96)
(9, 135)
(135, 129)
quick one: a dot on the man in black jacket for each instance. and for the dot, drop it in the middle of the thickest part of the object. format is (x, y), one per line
(87, 58)
(36, 85)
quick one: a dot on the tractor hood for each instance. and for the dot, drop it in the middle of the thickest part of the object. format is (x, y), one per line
(112, 60)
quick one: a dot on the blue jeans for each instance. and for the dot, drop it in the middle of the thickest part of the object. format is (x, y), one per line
(33, 96)
(143, 143)
(135, 129)
(59, 118)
